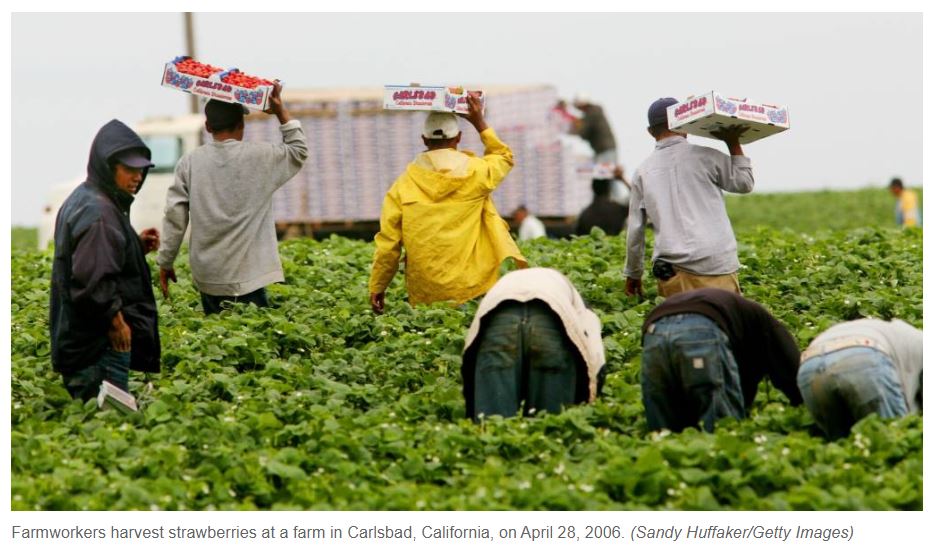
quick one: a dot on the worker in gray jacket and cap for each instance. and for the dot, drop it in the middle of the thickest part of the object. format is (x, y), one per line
(680, 189)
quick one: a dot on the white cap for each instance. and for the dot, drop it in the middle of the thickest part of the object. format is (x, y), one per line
(440, 125)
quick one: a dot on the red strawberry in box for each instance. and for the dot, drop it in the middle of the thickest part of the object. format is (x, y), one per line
(187, 74)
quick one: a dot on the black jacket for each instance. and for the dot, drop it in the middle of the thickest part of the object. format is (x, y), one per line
(604, 213)
(100, 267)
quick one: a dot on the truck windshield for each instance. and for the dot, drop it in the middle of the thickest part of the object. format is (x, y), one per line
(166, 150)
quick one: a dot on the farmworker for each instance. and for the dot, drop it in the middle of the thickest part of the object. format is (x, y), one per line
(862, 367)
(224, 190)
(680, 188)
(102, 311)
(532, 341)
(704, 353)
(906, 209)
(529, 226)
(595, 129)
(441, 211)
(603, 212)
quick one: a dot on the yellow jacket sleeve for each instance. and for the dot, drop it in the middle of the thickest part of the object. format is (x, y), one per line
(909, 208)
(388, 243)
(497, 158)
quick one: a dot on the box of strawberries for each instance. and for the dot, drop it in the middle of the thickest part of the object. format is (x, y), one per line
(231, 85)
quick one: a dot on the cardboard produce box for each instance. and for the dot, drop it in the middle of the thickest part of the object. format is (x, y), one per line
(704, 114)
(212, 82)
(429, 98)
(111, 396)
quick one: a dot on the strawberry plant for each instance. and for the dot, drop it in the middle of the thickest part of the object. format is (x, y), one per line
(317, 404)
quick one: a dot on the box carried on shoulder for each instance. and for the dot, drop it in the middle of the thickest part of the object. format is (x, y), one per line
(705, 114)
(212, 82)
(430, 98)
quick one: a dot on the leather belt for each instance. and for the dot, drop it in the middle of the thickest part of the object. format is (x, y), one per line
(839, 344)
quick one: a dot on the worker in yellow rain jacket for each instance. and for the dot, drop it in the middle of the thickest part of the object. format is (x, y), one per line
(906, 210)
(440, 209)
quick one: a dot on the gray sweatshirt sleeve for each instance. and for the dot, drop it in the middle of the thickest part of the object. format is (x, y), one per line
(733, 174)
(635, 237)
(287, 157)
(175, 221)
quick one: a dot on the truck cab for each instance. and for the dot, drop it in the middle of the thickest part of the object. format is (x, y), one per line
(168, 138)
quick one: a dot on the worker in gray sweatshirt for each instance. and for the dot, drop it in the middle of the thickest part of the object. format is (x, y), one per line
(679, 188)
(224, 191)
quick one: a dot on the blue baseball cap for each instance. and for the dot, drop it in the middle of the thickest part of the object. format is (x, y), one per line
(657, 112)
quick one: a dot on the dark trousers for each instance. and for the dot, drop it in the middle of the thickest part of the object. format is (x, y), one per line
(689, 376)
(113, 366)
(212, 304)
(524, 356)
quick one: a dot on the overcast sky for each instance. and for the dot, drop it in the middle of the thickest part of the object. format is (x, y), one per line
(852, 83)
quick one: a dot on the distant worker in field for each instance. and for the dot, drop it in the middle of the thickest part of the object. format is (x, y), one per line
(529, 226)
(533, 346)
(441, 211)
(594, 128)
(862, 367)
(704, 353)
(603, 212)
(906, 209)
(102, 312)
(680, 189)
(224, 190)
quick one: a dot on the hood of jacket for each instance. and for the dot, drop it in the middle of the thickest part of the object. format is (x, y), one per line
(114, 137)
(440, 172)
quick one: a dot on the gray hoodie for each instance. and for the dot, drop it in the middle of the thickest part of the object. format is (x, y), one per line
(224, 189)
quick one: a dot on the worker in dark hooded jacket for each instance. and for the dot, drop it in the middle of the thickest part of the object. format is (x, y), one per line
(102, 314)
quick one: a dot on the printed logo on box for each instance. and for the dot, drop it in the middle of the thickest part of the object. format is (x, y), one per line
(778, 116)
(723, 105)
(413, 94)
(175, 79)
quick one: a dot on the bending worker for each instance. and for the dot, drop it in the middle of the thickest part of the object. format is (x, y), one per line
(861, 367)
(533, 345)
(705, 351)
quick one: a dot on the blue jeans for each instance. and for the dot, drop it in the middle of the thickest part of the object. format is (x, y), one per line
(113, 366)
(688, 374)
(212, 304)
(842, 387)
(524, 355)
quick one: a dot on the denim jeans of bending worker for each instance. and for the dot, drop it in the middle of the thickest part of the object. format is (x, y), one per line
(113, 366)
(524, 356)
(688, 374)
(213, 304)
(842, 387)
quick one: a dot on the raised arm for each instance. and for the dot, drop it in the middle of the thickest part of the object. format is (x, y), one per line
(733, 173)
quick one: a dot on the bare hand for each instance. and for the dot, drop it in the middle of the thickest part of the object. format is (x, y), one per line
(150, 239)
(633, 287)
(730, 134)
(276, 105)
(475, 114)
(164, 276)
(119, 333)
(378, 302)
